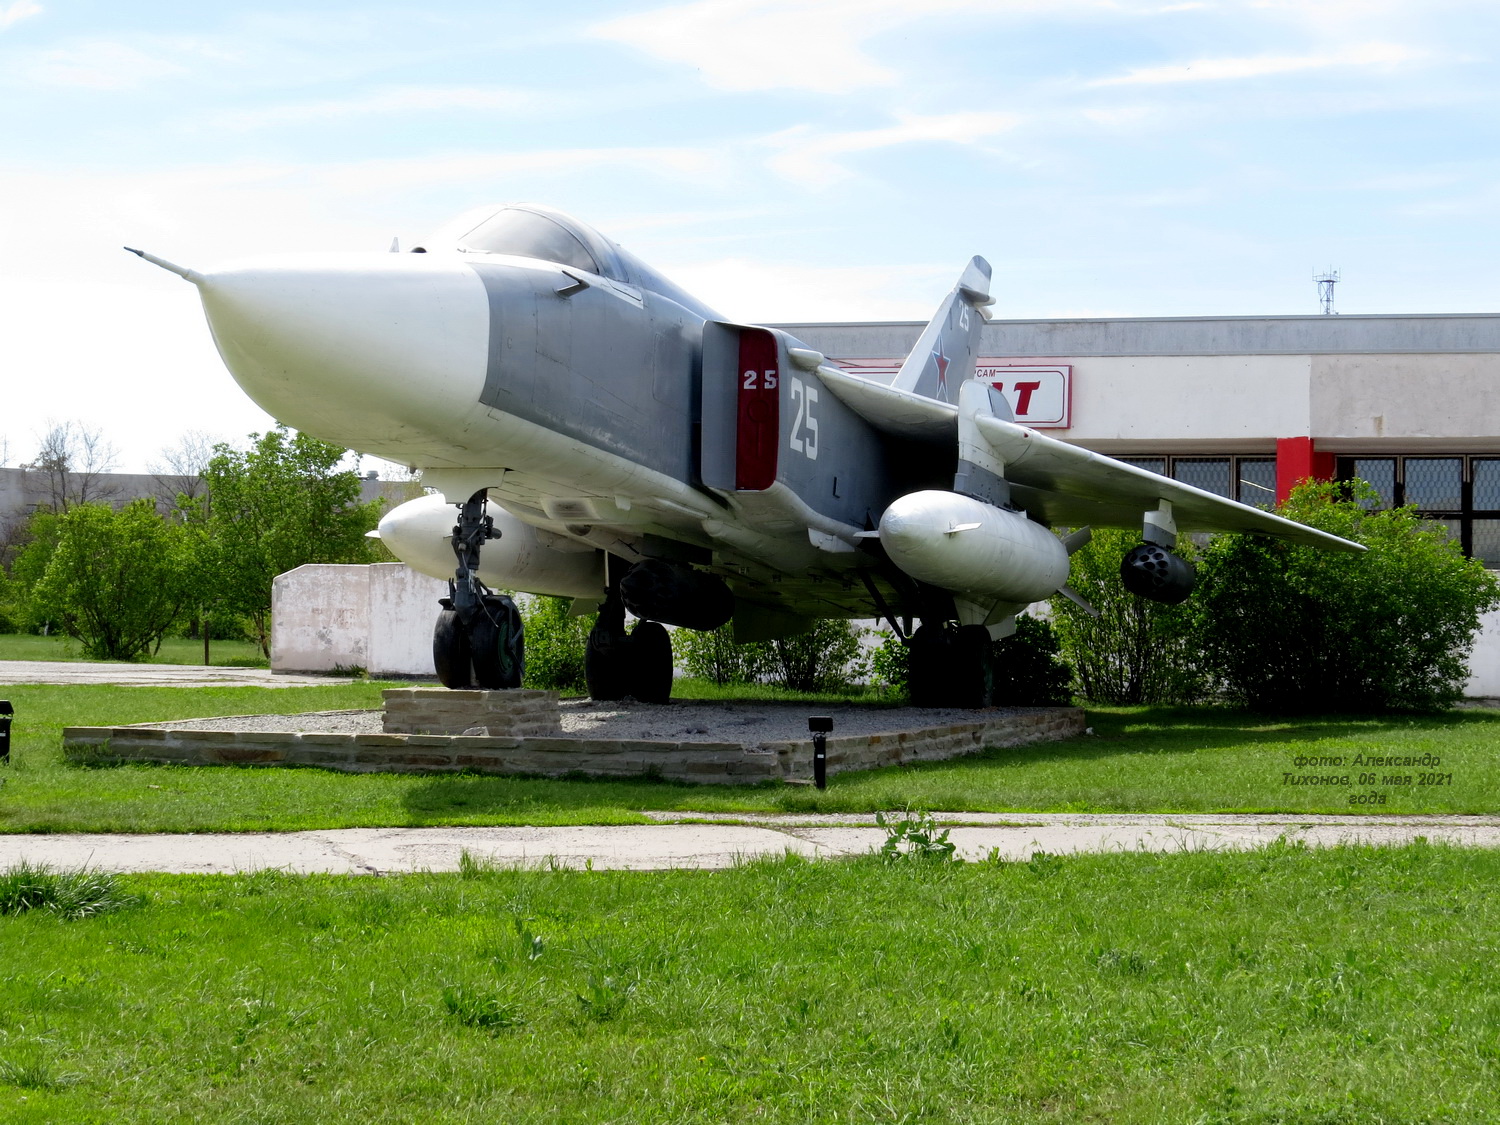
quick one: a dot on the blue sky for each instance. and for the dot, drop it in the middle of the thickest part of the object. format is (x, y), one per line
(817, 159)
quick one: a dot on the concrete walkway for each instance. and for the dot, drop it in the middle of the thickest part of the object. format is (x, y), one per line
(715, 845)
(150, 675)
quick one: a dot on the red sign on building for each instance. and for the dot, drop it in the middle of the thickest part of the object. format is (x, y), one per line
(1041, 395)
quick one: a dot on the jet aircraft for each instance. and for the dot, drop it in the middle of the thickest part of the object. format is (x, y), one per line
(590, 430)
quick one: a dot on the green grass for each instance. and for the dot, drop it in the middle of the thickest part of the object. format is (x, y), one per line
(174, 650)
(1340, 987)
(1140, 760)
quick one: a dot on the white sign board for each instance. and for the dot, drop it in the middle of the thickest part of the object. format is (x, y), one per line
(1041, 395)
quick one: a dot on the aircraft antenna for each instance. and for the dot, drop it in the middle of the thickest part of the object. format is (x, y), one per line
(1326, 281)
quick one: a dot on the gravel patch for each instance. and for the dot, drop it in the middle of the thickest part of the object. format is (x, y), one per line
(736, 722)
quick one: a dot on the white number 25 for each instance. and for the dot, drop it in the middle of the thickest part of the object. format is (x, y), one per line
(752, 380)
(804, 433)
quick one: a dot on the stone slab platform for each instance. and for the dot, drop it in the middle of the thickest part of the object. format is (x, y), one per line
(705, 761)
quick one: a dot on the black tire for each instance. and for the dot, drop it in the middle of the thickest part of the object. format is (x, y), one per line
(497, 645)
(606, 663)
(450, 650)
(650, 665)
(973, 667)
(925, 685)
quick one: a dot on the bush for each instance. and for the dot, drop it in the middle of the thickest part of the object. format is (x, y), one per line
(715, 656)
(828, 657)
(555, 644)
(890, 665)
(1297, 629)
(1029, 670)
(1136, 650)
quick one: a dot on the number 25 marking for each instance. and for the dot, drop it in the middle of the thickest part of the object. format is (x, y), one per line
(804, 435)
(752, 380)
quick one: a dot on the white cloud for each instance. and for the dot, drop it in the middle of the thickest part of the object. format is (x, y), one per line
(817, 44)
(17, 11)
(777, 44)
(398, 99)
(1258, 66)
(805, 155)
(93, 65)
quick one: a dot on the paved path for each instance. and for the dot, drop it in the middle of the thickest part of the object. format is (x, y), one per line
(150, 675)
(714, 845)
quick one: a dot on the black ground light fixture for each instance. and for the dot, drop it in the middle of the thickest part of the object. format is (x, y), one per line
(6, 711)
(820, 725)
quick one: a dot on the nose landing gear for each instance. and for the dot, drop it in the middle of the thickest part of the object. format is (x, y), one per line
(479, 639)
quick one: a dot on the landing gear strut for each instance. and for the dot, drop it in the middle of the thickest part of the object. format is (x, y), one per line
(478, 641)
(637, 664)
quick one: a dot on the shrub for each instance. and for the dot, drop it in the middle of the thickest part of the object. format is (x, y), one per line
(828, 657)
(1295, 629)
(1135, 650)
(715, 656)
(555, 644)
(890, 665)
(1029, 670)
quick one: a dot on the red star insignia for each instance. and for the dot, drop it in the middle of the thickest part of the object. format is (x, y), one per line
(942, 366)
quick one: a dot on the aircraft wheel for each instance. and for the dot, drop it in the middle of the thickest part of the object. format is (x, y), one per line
(450, 650)
(650, 663)
(607, 661)
(974, 667)
(951, 667)
(497, 645)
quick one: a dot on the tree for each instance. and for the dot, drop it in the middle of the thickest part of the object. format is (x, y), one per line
(1296, 629)
(1135, 650)
(179, 469)
(33, 550)
(116, 580)
(75, 460)
(276, 506)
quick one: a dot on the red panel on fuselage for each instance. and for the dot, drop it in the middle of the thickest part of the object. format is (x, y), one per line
(758, 426)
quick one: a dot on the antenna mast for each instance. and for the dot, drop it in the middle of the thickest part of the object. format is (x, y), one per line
(1326, 281)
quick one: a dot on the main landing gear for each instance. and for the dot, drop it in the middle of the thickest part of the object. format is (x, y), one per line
(951, 666)
(479, 639)
(617, 663)
(948, 665)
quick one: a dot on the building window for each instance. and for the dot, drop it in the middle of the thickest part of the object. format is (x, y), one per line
(1462, 492)
(1250, 480)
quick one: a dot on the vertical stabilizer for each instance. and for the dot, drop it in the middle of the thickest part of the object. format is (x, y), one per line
(949, 346)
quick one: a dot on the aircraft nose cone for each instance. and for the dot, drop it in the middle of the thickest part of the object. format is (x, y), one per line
(385, 353)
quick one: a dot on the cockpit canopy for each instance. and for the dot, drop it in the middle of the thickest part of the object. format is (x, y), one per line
(526, 230)
(530, 234)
